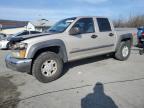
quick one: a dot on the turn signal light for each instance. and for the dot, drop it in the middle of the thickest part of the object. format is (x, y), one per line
(22, 53)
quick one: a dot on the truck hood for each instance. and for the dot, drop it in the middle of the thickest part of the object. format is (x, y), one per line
(25, 37)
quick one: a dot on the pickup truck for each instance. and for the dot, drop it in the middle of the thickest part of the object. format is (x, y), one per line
(43, 55)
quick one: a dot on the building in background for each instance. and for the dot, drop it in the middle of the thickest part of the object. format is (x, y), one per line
(11, 27)
(39, 25)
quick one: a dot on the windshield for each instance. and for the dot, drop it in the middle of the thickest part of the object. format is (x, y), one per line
(62, 25)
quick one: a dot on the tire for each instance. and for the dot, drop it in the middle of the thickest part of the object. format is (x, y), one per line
(119, 54)
(47, 67)
(141, 52)
(8, 46)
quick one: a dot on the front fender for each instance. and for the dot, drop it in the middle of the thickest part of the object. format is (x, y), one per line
(45, 44)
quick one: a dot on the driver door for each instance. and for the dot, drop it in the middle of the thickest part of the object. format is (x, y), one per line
(83, 44)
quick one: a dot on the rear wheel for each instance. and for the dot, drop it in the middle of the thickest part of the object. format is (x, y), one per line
(141, 51)
(47, 67)
(123, 52)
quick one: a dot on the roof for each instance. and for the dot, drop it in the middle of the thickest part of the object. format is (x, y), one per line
(91, 17)
(7, 24)
(41, 23)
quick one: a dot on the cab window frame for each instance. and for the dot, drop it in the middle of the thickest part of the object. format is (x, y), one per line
(93, 24)
(102, 28)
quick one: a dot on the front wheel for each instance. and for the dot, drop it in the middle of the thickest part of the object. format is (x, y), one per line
(47, 67)
(8, 46)
(124, 50)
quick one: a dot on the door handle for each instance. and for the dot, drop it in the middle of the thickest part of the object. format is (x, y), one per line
(111, 34)
(94, 36)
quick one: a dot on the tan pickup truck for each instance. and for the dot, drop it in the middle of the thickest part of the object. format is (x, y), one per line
(70, 39)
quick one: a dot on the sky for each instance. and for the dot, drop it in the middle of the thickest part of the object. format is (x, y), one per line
(28, 10)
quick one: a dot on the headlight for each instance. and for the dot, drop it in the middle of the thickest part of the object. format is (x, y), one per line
(19, 53)
(19, 46)
(19, 50)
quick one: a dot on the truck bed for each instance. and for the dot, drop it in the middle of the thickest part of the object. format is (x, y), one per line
(121, 31)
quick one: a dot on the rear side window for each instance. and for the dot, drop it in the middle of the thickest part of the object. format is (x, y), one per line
(103, 24)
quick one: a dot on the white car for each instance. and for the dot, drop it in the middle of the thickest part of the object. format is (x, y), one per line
(3, 41)
(4, 44)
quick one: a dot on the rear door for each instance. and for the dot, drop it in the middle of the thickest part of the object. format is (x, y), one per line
(106, 35)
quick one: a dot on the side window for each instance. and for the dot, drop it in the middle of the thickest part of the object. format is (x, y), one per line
(24, 33)
(103, 24)
(33, 32)
(85, 25)
(27, 33)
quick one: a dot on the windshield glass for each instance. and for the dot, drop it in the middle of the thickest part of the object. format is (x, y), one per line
(62, 25)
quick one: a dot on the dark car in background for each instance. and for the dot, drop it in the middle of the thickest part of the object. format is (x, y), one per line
(4, 43)
(25, 32)
(140, 36)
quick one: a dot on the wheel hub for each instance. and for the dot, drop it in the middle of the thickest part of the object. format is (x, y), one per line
(125, 51)
(49, 68)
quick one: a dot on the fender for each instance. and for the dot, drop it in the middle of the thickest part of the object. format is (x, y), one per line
(55, 42)
(124, 37)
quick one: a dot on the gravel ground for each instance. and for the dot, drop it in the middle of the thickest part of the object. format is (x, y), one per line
(98, 82)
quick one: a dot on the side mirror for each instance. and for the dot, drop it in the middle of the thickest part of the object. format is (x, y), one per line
(74, 31)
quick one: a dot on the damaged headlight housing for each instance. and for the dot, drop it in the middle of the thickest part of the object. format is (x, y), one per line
(19, 46)
(19, 50)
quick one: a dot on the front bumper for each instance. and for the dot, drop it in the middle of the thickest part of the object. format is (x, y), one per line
(21, 65)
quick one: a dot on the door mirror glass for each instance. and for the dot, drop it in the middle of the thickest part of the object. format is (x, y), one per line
(74, 31)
